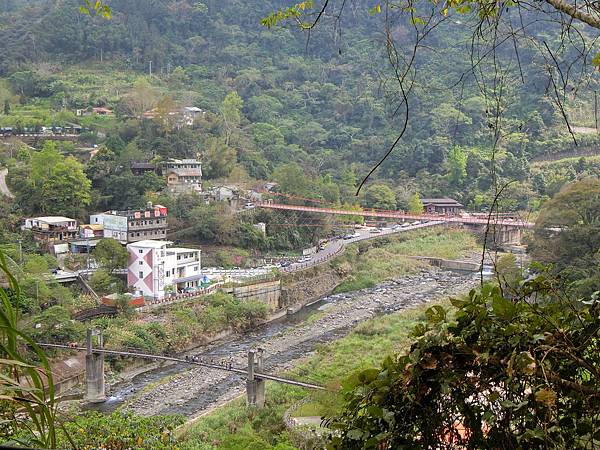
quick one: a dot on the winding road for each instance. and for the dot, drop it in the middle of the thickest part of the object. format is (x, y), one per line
(3, 187)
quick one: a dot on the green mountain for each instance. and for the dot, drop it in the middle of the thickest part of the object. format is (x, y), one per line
(324, 104)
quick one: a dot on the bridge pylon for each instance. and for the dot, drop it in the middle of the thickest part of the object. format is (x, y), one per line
(94, 368)
(255, 387)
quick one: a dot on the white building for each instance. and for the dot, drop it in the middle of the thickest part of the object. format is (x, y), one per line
(157, 269)
(50, 229)
(183, 175)
(133, 225)
(190, 113)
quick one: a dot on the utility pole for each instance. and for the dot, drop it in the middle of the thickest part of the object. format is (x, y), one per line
(150, 68)
(596, 111)
(87, 243)
(20, 251)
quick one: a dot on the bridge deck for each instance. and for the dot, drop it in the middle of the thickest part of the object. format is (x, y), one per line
(263, 376)
(398, 215)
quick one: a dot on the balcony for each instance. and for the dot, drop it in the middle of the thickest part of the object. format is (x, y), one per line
(134, 226)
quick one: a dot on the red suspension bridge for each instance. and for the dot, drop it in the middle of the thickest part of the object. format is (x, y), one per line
(400, 215)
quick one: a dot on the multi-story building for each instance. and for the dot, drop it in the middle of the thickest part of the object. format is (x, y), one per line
(134, 225)
(156, 269)
(51, 229)
(183, 175)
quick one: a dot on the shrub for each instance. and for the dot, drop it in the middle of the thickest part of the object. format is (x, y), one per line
(120, 431)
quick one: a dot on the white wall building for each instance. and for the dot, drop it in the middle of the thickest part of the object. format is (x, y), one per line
(157, 269)
(133, 225)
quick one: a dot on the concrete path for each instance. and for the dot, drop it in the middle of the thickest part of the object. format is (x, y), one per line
(3, 187)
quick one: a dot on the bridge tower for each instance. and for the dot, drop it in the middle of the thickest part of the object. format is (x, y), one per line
(94, 369)
(255, 387)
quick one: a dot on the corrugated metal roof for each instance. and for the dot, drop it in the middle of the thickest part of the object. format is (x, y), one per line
(440, 201)
(186, 279)
(53, 219)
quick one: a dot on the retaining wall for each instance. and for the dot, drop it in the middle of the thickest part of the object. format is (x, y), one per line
(268, 292)
(449, 264)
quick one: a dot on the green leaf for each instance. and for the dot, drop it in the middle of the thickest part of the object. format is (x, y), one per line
(375, 411)
(503, 308)
(435, 314)
(596, 61)
(355, 434)
(375, 9)
(368, 375)
(417, 21)
(457, 303)
(546, 396)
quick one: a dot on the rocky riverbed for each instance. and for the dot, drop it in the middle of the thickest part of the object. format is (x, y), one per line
(191, 391)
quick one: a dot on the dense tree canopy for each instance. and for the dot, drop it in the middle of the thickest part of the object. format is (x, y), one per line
(110, 254)
(380, 196)
(267, 106)
(567, 234)
(55, 185)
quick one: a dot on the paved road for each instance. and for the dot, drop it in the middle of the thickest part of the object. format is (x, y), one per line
(335, 246)
(3, 187)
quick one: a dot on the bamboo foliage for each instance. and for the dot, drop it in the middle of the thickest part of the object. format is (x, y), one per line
(27, 398)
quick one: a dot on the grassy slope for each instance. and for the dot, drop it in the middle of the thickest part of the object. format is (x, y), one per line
(389, 258)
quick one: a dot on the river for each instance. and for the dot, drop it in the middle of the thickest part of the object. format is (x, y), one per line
(191, 390)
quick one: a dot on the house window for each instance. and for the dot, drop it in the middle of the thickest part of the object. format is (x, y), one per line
(195, 268)
(140, 251)
(168, 273)
(141, 263)
(141, 274)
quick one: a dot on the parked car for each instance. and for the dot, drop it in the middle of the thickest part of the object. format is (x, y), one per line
(286, 264)
(375, 231)
(356, 235)
(322, 247)
(348, 236)
(249, 206)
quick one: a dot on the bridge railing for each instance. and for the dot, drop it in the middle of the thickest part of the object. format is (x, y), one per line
(179, 298)
(401, 215)
(93, 313)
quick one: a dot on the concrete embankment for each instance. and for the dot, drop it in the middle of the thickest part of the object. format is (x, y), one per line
(449, 264)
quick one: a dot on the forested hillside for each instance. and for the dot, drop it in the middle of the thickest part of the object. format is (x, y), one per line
(280, 104)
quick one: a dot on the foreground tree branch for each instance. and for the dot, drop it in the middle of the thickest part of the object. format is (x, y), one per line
(575, 13)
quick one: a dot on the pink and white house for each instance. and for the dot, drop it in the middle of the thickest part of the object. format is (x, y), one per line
(156, 269)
